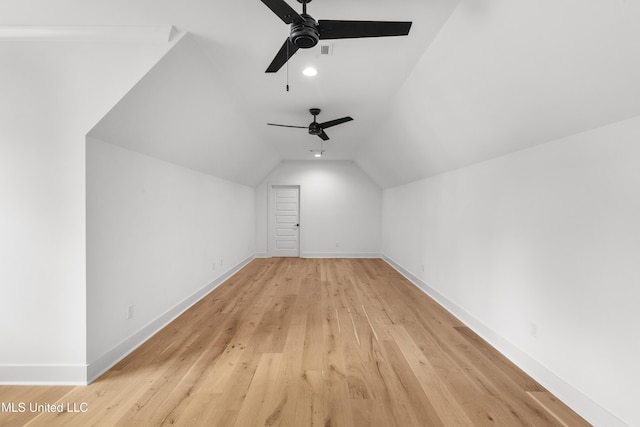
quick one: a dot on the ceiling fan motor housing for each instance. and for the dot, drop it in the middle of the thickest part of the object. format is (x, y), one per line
(304, 35)
(315, 128)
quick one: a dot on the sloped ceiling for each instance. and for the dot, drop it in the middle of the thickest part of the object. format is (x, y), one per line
(506, 75)
(182, 112)
(475, 79)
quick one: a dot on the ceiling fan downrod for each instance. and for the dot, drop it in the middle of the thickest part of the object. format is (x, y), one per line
(315, 128)
(304, 5)
(304, 33)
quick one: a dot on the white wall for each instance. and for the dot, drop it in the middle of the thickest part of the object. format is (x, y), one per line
(339, 204)
(159, 237)
(539, 251)
(52, 94)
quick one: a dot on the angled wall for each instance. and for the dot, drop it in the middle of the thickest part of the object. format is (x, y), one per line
(53, 92)
(169, 214)
(539, 252)
(183, 111)
(159, 237)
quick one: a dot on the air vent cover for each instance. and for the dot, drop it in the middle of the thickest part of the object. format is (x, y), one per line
(326, 49)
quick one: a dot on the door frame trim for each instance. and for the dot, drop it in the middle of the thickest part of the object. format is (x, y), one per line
(270, 230)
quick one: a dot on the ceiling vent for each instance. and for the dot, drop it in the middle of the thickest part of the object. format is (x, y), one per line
(326, 49)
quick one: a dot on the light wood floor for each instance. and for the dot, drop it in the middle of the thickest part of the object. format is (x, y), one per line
(307, 342)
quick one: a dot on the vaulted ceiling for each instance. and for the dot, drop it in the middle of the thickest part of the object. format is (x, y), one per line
(475, 79)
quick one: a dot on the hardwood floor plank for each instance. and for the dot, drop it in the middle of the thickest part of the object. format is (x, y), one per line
(448, 408)
(523, 381)
(232, 399)
(408, 401)
(197, 410)
(307, 342)
(14, 396)
(372, 413)
(309, 408)
(559, 410)
(470, 388)
(263, 397)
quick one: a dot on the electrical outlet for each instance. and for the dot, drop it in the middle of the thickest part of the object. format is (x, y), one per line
(130, 312)
(221, 261)
(337, 245)
(213, 266)
(422, 267)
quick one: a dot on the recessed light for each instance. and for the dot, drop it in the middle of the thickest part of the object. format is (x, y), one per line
(310, 72)
(318, 155)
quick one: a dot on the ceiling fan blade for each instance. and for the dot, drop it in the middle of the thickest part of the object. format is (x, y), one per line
(283, 10)
(288, 126)
(335, 122)
(284, 54)
(324, 136)
(330, 29)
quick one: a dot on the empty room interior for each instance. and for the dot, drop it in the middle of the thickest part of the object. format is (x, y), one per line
(422, 212)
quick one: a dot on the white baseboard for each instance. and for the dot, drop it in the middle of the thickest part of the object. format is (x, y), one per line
(43, 374)
(105, 362)
(85, 374)
(340, 255)
(576, 400)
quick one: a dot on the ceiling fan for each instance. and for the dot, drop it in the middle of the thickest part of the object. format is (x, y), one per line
(316, 128)
(305, 31)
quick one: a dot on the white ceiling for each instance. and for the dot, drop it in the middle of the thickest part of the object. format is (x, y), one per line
(474, 79)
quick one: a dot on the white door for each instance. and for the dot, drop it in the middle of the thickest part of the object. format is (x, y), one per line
(285, 221)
